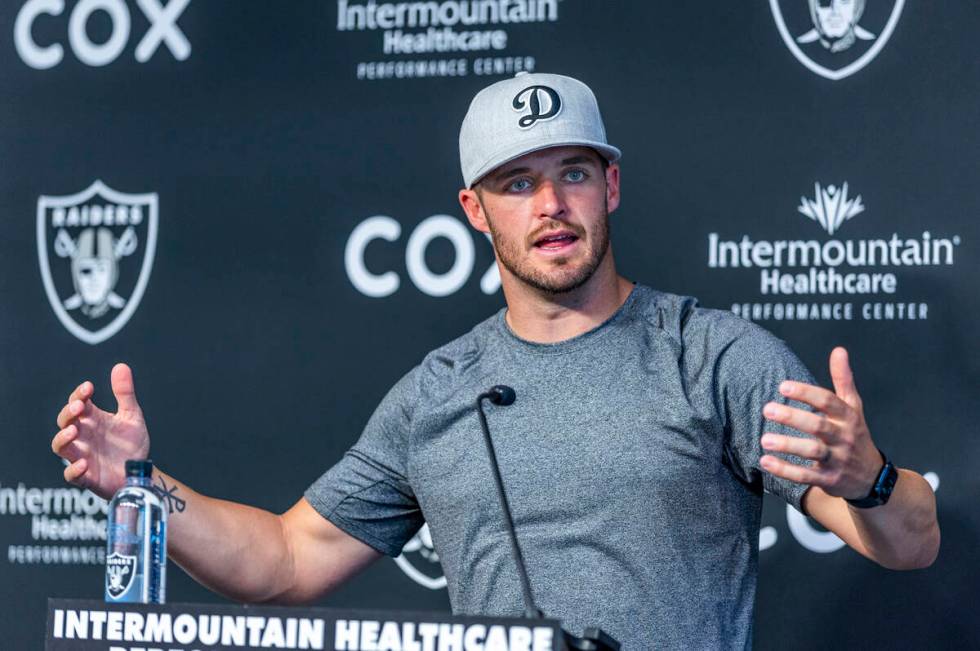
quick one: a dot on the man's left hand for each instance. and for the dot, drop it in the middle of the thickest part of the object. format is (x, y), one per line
(847, 462)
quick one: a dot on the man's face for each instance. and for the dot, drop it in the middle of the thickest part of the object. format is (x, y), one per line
(835, 16)
(548, 214)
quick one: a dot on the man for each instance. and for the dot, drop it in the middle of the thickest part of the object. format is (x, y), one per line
(634, 455)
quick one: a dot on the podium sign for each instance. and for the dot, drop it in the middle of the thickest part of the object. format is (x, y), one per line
(90, 625)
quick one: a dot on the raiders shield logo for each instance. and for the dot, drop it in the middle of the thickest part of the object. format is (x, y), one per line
(119, 573)
(95, 250)
(835, 38)
(420, 561)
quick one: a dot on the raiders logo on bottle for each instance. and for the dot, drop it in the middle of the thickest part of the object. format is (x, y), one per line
(537, 103)
(119, 573)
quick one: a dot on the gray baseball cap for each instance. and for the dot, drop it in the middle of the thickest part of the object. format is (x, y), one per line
(525, 113)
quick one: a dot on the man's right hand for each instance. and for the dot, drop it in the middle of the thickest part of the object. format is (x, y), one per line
(97, 443)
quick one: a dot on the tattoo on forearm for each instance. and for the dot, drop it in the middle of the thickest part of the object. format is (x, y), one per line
(167, 494)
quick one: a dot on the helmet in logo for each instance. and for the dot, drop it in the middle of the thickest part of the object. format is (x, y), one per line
(87, 243)
(824, 34)
(835, 24)
(420, 561)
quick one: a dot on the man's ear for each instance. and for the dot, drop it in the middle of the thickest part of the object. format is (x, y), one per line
(612, 187)
(470, 201)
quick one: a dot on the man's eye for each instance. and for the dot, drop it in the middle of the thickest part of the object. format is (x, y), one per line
(519, 185)
(575, 176)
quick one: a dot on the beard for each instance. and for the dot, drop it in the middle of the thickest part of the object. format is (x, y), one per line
(562, 274)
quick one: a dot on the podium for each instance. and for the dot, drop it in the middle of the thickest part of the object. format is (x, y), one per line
(91, 625)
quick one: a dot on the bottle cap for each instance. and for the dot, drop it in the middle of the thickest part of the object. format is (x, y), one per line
(139, 468)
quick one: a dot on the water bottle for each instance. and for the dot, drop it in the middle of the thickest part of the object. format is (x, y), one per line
(136, 553)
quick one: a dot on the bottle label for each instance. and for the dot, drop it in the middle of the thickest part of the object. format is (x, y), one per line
(119, 573)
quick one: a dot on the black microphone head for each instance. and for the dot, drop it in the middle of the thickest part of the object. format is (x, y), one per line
(502, 395)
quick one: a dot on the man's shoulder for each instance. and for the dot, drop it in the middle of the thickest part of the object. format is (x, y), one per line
(683, 317)
(708, 330)
(455, 357)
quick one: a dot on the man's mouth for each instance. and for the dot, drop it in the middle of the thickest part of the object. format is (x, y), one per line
(556, 241)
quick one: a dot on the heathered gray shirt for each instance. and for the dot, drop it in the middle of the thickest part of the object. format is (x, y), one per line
(631, 460)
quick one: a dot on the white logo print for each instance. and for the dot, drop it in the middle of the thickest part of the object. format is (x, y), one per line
(830, 207)
(530, 99)
(120, 570)
(95, 239)
(833, 278)
(825, 35)
(421, 547)
(163, 30)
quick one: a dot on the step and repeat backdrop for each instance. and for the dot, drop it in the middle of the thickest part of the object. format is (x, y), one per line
(254, 205)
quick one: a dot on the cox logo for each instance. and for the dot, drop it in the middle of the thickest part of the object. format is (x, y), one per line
(163, 31)
(434, 284)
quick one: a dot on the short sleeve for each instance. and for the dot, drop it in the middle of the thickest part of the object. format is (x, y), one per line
(366, 493)
(749, 372)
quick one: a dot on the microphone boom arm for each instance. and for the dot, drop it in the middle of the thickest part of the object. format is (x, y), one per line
(593, 639)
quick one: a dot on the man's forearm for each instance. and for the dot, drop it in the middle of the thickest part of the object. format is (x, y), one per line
(238, 551)
(904, 533)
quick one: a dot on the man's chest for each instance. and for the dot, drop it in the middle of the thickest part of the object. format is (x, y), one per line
(605, 440)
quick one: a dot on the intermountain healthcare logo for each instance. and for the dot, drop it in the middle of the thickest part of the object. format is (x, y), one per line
(90, 246)
(831, 207)
(835, 38)
(451, 38)
(802, 269)
(61, 525)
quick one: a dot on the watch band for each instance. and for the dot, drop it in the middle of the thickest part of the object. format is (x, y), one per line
(882, 488)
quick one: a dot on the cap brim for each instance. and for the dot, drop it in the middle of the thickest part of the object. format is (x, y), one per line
(610, 153)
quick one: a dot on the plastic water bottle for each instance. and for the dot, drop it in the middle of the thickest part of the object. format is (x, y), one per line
(136, 553)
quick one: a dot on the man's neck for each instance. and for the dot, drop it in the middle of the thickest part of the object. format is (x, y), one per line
(547, 318)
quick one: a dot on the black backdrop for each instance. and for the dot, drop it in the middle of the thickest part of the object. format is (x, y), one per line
(267, 136)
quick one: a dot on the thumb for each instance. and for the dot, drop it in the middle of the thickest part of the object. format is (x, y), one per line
(123, 388)
(843, 377)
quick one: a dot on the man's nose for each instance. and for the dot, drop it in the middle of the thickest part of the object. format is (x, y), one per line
(549, 201)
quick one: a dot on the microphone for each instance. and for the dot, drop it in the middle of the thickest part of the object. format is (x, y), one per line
(503, 395)
(593, 639)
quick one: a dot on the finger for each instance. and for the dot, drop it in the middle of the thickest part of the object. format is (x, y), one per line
(791, 471)
(123, 388)
(71, 411)
(817, 397)
(83, 391)
(75, 471)
(800, 447)
(843, 377)
(803, 420)
(62, 439)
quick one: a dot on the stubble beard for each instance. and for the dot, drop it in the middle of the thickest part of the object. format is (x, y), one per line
(563, 275)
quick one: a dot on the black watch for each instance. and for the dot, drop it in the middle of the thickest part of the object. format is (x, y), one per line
(882, 489)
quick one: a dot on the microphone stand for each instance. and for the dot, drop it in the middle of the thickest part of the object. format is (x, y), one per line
(593, 639)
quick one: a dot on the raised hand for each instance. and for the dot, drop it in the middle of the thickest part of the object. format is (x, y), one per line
(97, 443)
(846, 459)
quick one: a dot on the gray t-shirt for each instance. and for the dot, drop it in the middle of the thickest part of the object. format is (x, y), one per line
(630, 458)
